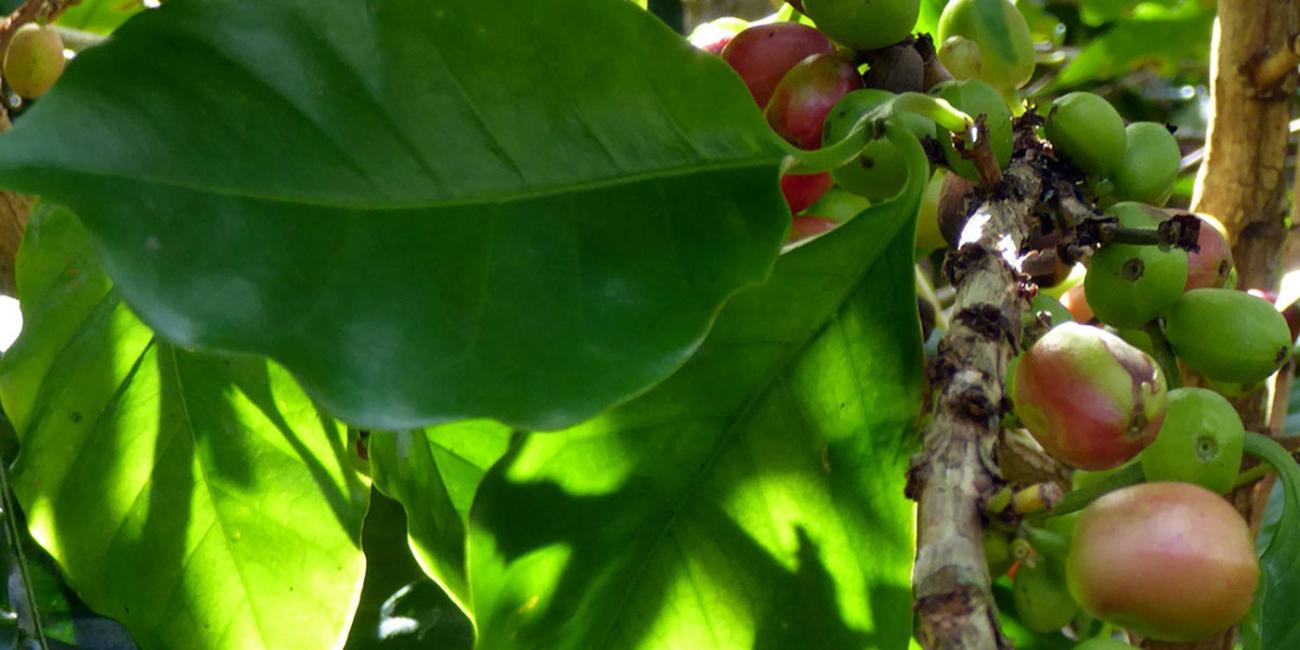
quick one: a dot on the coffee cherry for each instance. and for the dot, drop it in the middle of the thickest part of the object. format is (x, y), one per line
(1209, 267)
(954, 207)
(1075, 299)
(1087, 131)
(1090, 399)
(1199, 442)
(1150, 165)
(763, 54)
(1006, 47)
(802, 228)
(803, 190)
(1056, 312)
(1128, 285)
(976, 98)
(898, 69)
(1171, 561)
(1228, 335)
(1042, 600)
(961, 57)
(879, 173)
(34, 60)
(864, 24)
(801, 102)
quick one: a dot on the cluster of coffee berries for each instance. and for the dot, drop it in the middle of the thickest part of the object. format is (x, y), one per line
(33, 60)
(1169, 558)
(815, 78)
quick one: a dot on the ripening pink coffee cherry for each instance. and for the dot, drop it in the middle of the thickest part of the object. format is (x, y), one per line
(763, 54)
(1209, 267)
(805, 96)
(1091, 399)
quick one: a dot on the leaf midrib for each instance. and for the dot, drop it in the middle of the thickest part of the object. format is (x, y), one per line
(534, 194)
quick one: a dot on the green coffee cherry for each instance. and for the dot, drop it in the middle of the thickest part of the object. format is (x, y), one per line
(1057, 313)
(976, 98)
(1006, 47)
(928, 236)
(34, 60)
(1041, 597)
(863, 25)
(879, 173)
(1150, 166)
(1228, 335)
(1199, 442)
(961, 57)
(1127, 285)
(1087, 131)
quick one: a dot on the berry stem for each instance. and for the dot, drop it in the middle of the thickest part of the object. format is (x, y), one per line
(1079, 499)
(1164, 354)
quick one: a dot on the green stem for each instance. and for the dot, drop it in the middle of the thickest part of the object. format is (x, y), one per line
(14, 537)
(1164, 354)
(938, 111)
(1251, 475)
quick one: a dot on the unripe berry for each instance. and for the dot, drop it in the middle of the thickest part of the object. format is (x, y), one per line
(1090, 399)
(864, 24)
(1087, 131)
(879, 172)
(1228, 335)
(1200, 442)
(1006, 46)
(34, 60)
(1170, 561)
(1042, 599)
(1129, 285)
(976, 98)
(805, 96)
(961, 57)
(1150, 166)
(763, 54)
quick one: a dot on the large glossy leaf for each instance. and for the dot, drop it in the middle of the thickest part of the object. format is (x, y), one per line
(434, 473)
(100, 16)
(427, 211)
(201, 500)
(1272, 623)
(753, 500)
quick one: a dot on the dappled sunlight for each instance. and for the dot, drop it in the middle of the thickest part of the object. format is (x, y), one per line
(11, 322)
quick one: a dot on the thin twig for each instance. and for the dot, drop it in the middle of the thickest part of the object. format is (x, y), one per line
(14, 537)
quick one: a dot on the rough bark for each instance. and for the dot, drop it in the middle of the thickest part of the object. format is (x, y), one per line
(1242, 180)
(956, 469)
(14, 209)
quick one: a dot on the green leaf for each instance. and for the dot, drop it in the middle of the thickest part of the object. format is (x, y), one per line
(100, 16)
(434, 473)
(202, 501)
(753, 500)
(427, 211)
(1167, 39)
(1272, 622)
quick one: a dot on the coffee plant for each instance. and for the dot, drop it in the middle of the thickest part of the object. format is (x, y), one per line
(840, 324)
